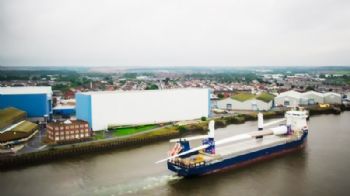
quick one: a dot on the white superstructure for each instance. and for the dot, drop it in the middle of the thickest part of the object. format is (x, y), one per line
(109, 108)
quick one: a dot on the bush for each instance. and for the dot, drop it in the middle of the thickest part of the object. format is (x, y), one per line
(182, 129)
(220, 124)
(235, 120)
(204, 118)
(251, 116)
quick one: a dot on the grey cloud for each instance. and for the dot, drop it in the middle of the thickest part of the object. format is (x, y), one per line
(174, 32)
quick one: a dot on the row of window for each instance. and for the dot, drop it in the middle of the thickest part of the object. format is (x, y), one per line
(70, 137)
(68, 127)
(70, 132)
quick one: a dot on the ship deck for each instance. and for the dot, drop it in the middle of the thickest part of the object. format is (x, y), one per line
(236, 149)
(239, 148)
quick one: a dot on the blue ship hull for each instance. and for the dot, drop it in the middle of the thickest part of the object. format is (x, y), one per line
(238, 161)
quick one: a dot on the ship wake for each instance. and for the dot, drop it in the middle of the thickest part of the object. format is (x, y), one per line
(134, 187)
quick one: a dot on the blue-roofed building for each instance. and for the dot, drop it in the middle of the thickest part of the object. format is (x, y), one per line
(35, 100)
(66, 111)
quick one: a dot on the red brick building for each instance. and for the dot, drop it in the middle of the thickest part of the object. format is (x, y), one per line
(75, 130)
(70, 94)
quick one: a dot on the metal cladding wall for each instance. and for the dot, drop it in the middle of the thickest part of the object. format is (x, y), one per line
(36, 105)
(252, 104)
(83, 107)
(142, 107)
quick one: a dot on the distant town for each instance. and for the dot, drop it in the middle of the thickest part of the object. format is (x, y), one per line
(48, 108)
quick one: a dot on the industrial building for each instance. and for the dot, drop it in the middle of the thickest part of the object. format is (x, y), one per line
(332, 98)
(68, 130)
(246, 101)
(294, 98)
(288, 98)
(65, 111)
(113, 108)
(14, 129)
(36, 101)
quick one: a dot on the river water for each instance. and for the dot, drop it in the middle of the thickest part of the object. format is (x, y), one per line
(322, 168)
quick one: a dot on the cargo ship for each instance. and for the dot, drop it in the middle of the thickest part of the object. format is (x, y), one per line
(239, 150)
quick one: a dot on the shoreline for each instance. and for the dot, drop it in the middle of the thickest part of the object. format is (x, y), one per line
(61, 152)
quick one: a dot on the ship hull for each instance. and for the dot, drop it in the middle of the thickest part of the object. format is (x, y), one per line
(241, 160)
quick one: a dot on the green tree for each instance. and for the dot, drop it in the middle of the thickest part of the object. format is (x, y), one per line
(152, 87)
(310, 88)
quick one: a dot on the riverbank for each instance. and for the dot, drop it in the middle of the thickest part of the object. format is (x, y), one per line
(132, 171)
(161, 134)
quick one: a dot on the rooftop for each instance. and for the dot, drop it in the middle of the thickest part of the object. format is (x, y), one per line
(266, 97)
(139, 91)
(21, 130)
(67, 122)
(64, 107)
(10, 115)
(298, 95)
(290, 93)
(19, 90)
(313, 92)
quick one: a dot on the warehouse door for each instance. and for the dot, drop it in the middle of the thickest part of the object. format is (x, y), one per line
(229, 106)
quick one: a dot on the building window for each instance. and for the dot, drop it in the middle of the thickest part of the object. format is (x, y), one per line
(254, 106)
(61, 128)
(229, 106)
(311, 101)
(86, 125)
(57, 138)
(86, 135)
(286, 103)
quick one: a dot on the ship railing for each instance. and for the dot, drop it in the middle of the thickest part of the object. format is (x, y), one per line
(187, 165)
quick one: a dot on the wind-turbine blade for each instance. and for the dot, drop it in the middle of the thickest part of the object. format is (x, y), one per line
(211, 127)
(189, 138)
(281, 130)
(184, 153)
(235, 138)
(274, 122)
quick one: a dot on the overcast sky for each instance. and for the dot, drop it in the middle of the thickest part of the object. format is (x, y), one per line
(174, 32)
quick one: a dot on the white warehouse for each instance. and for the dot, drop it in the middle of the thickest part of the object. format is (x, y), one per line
(294, 98)
(110, 108)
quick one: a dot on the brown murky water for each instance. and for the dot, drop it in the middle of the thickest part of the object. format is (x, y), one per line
(322, 168)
